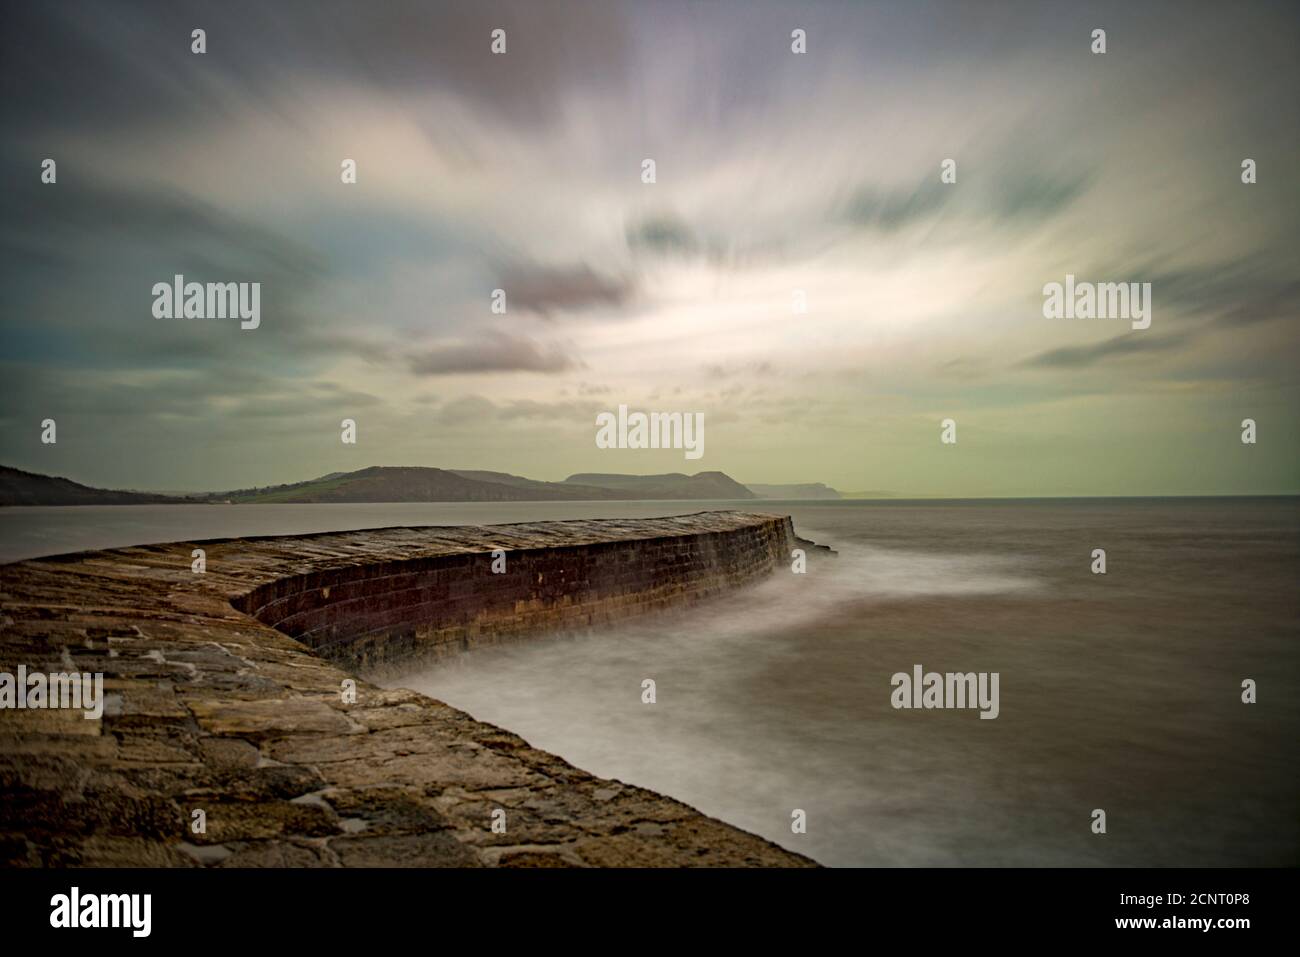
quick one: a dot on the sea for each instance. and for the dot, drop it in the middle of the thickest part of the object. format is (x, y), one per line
(774, 706)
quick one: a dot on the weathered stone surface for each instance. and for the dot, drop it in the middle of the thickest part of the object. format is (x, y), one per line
(210, 708)
(266, 718)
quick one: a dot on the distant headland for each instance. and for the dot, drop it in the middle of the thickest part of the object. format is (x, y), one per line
(417, 484)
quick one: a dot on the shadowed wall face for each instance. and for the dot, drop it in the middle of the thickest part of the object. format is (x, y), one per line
(384, 616)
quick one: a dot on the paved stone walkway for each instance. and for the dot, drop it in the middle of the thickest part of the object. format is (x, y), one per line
(209, 710)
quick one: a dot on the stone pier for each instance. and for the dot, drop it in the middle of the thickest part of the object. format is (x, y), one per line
(226, 695)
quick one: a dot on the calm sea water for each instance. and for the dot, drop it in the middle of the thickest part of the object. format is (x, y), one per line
(1120, 692)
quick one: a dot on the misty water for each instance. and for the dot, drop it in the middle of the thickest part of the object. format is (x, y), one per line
(1119, 691)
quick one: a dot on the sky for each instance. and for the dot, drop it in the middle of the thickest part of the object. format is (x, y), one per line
(780, 178)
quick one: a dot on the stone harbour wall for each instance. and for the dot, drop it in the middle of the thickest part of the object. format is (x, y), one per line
(383, 617)
(223, 698)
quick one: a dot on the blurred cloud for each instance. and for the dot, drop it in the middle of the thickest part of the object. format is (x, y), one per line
(1117, 347)
(546, 291)
(495, 352)
(778, 174)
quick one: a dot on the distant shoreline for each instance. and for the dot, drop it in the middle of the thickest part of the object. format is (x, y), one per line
(761, 502)
(398, 485)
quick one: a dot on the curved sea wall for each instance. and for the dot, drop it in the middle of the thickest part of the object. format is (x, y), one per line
(235, 729)
(475, 586)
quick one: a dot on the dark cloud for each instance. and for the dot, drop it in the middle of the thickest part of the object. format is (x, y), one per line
(568, 289)
(1034, 196)
(84, 256)
(1235, 292)
(889, 210)
(495, 352)
(1007, 196)
(1215, 297)
(728, 247)
(1268, 301)
(239, 393)
(1239, 292)
(81, 220)
(662, 234)
(1129, 344)
(129, 63)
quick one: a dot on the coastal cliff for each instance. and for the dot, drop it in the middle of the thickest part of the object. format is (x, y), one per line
(233, 696)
